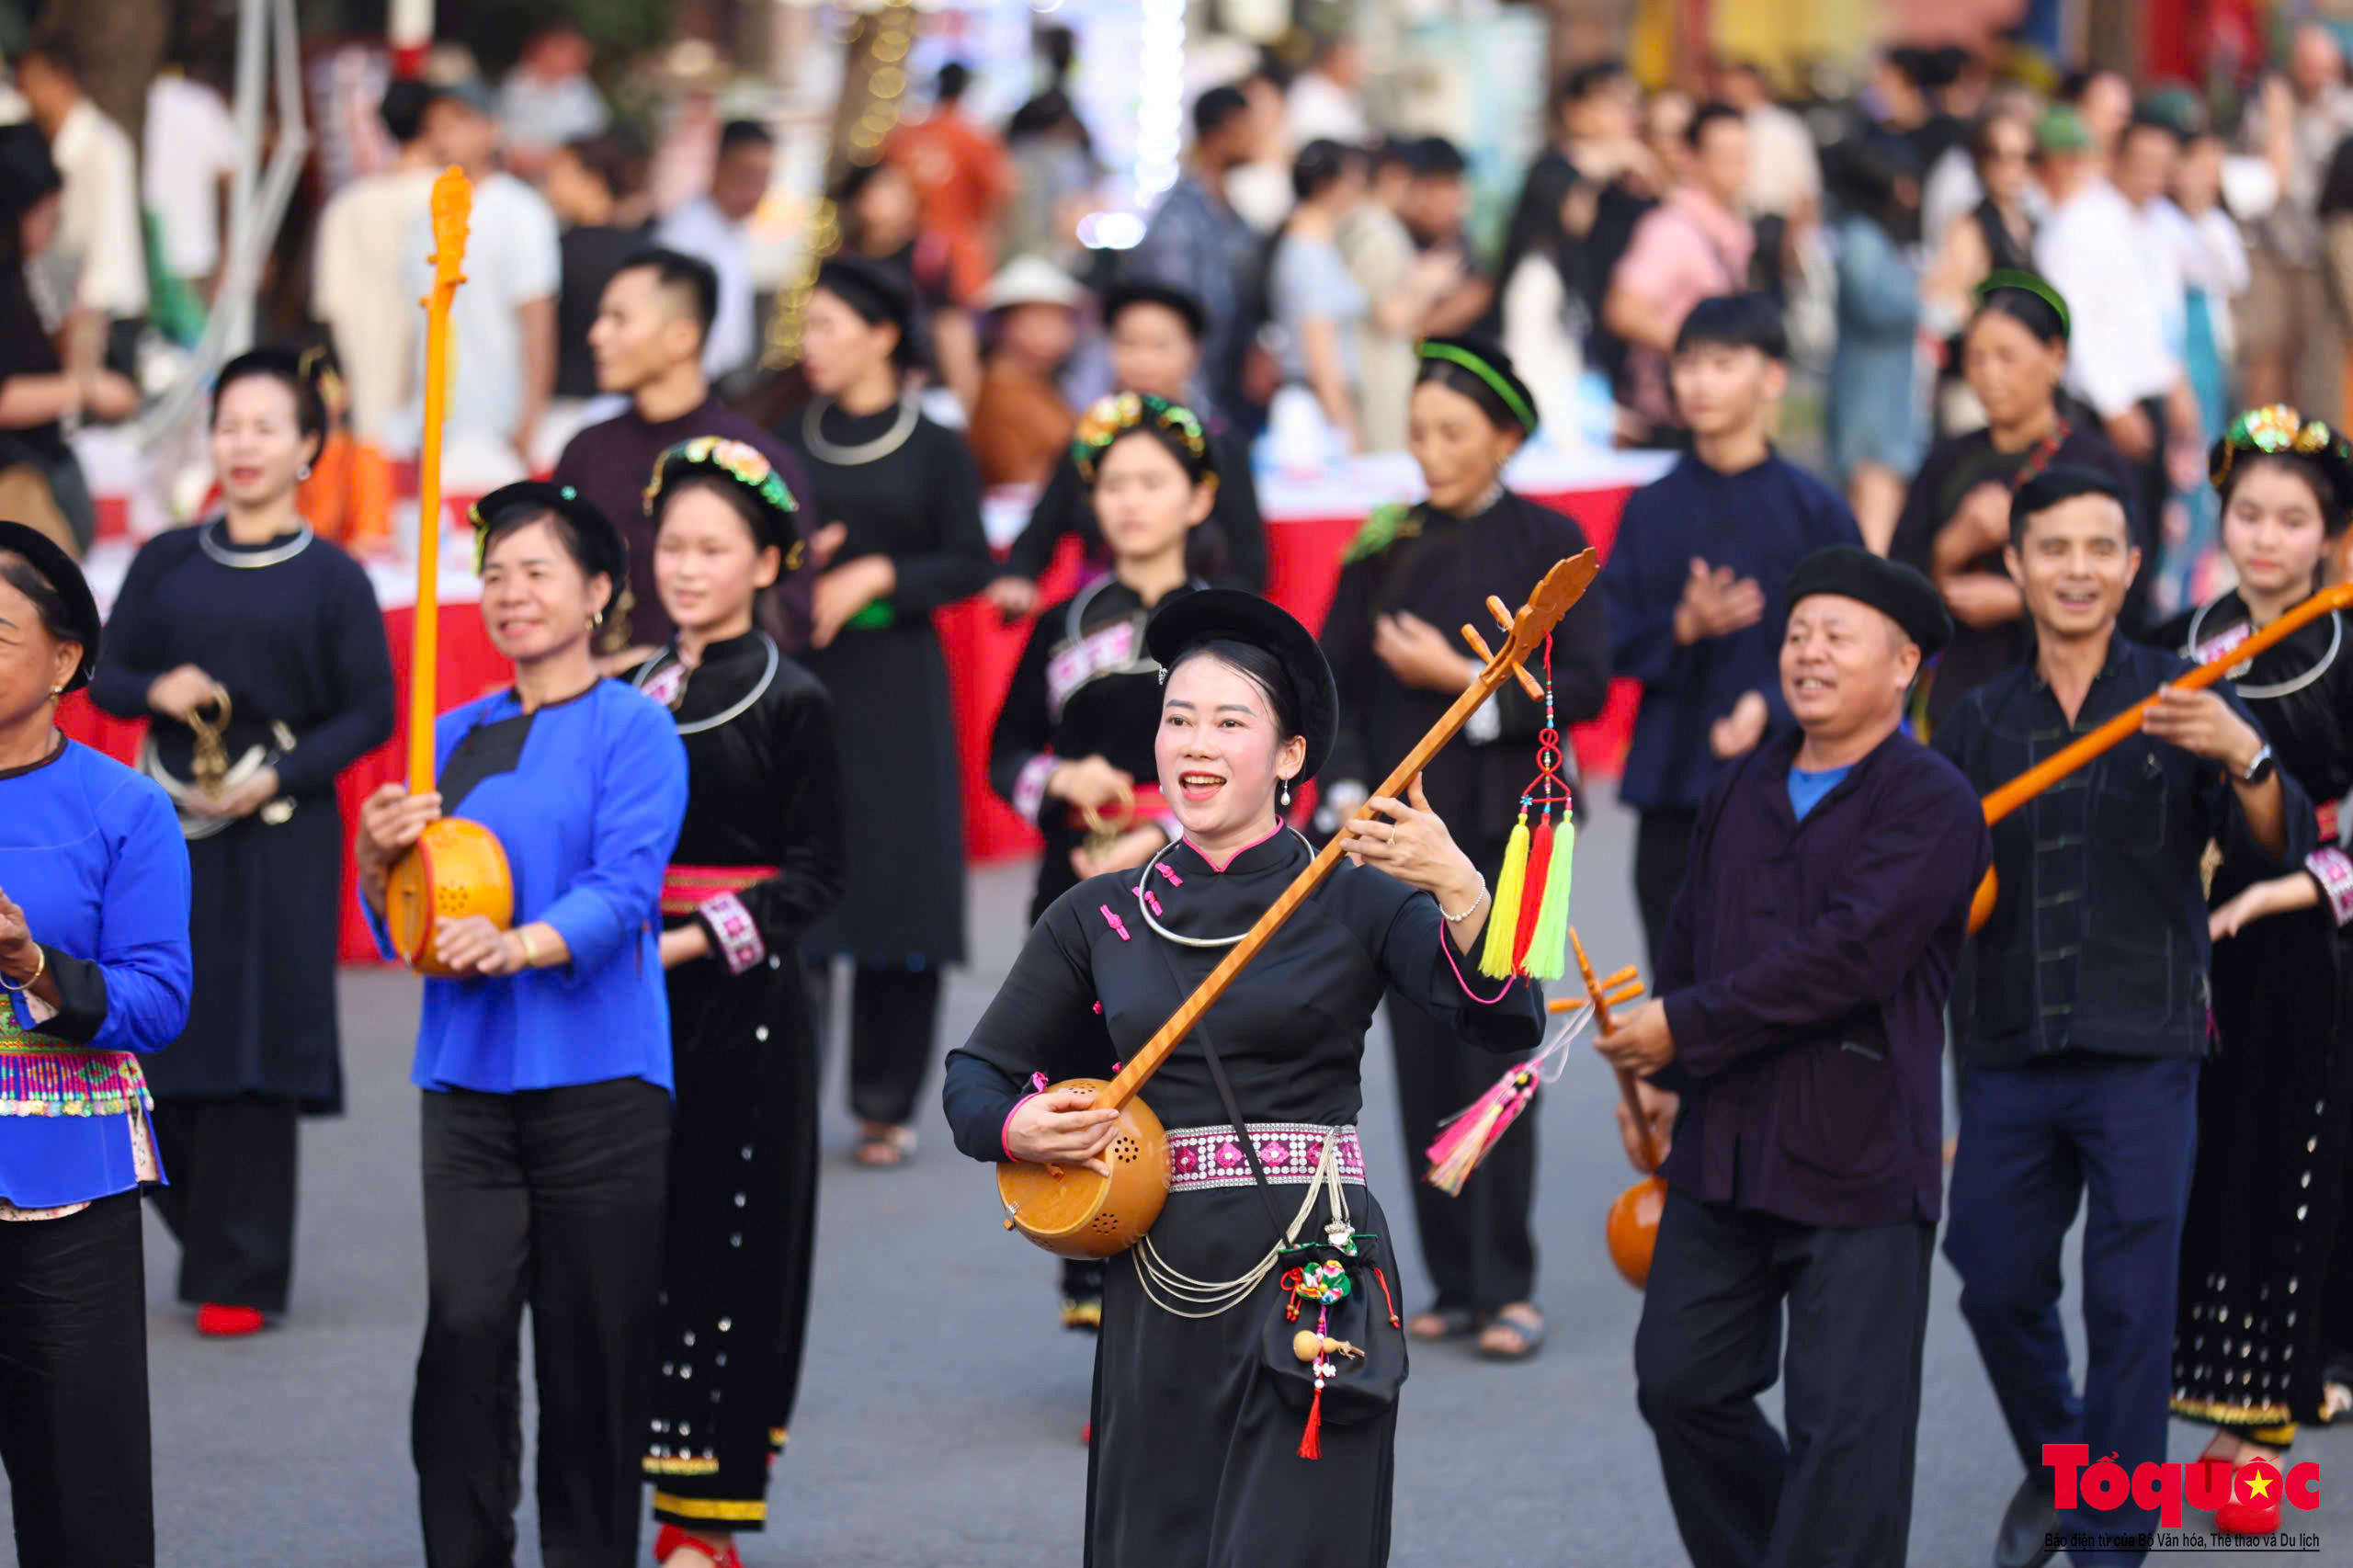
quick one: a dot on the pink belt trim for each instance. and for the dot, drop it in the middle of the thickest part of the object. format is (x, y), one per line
(685, 888)
(1202, 1158)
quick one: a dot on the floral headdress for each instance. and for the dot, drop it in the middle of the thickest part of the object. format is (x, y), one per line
(2278, 430)
(1112, 417)
(743, 465)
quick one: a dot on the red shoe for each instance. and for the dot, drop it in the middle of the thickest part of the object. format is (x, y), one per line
(217, 1322)
(670, 1538)
(2246, 1513)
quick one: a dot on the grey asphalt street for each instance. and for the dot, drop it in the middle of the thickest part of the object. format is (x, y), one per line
(938, 1424)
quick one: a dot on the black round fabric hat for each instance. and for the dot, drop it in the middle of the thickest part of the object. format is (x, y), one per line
(875, 291)
(1232, 615)
(599, 538)
(1895, 590)
(49, 558)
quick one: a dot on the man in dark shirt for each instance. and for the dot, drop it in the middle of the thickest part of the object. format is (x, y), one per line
(2090, 1015)
(1802, 984)
(1688, 617)
(648, 344)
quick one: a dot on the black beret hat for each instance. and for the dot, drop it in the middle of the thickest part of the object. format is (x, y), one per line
(2063, 482)
(599, 540)
(1232, 615)
(1895, 590)
(49, 558)
(1167, 296)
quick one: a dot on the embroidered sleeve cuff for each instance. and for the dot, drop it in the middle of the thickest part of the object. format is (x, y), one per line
(2333, 869)
(1030, 785)
(1486, 726)
(734, 932)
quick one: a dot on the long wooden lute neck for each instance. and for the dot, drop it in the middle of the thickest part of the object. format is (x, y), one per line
(453, 201)
(1561, 587)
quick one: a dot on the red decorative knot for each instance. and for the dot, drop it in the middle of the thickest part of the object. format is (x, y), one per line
(1114, 919)
(1098, 1009)
(1174, 879)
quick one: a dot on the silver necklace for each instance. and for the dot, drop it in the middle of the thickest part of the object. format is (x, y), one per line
(249, 559)
(734, 711)
(882, 446)
(2278, 689)
(1145, 909)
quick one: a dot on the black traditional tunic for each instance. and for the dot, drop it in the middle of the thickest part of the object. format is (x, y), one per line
(918, 503)
(291, 629)
(1085, 688)
(758, 860)
(2274, 1101)
(1479, 1245)
(1195, 1457)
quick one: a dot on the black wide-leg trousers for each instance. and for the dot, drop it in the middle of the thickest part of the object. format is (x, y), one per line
(73, 1431)
(1836, 1491)
(230, 1198)
(551, 1198)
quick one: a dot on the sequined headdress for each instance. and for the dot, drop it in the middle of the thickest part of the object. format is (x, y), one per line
(1112, 417)
(744, 466)
(2277, 430)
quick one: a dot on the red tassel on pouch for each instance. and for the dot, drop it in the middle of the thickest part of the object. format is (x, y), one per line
(1310, 1443)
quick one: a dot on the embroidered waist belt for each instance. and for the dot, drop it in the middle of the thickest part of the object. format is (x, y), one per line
(709, 891)
(1149, 805)
(686, 888)
(1201, 1158)
(40, 1077)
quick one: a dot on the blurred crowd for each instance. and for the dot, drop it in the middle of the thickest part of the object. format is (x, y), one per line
(2201, 240)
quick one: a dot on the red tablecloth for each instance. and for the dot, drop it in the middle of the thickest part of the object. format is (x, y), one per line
(1303, 569)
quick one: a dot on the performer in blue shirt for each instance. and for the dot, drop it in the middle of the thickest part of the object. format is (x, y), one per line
(546, 1111)
(1694, 584)
(93, 969)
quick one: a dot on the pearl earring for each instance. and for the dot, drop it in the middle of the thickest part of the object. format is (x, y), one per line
(1286, 794)
(304, 472)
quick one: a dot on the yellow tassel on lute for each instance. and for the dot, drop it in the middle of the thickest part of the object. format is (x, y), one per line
(1503, 909)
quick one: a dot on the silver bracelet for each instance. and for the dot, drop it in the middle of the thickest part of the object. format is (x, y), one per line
(1468, 909)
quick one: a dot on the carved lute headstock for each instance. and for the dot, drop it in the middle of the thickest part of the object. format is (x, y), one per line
(1524, 634)
(453, 207)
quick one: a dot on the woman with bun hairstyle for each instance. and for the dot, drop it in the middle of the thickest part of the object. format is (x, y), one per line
(252, 645)
(894, 503)
(1413, 574)
(1956, 518)
(2265, 1319)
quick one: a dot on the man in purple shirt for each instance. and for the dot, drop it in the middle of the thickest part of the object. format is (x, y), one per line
(647, 342)
(1793, 1056)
